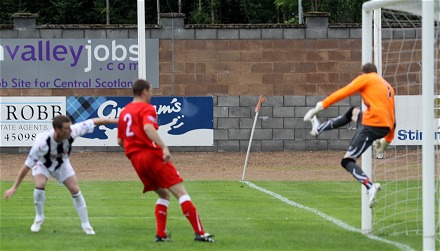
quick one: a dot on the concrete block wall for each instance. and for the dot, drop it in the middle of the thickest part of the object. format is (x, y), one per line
(279, 125)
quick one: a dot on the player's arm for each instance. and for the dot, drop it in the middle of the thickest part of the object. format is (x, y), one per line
(356, 85)
(120, 130)
(337, 96)
(36, 152)
(104, 121)
(121, 142)
(383, 143)
(87, 126)
(21, 174)
(154, 136)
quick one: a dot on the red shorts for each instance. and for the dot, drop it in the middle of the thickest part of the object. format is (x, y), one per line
(153, 172)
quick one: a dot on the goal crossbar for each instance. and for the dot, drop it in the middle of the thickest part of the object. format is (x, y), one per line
(399, 5)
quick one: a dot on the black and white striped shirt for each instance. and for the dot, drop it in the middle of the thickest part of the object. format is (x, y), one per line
(46, 151)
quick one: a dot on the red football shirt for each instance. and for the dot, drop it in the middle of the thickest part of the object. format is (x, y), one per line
(131, 127)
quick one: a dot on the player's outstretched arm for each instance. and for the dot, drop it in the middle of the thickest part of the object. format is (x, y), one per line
(21, 174)
(309, 115)
(104, 121)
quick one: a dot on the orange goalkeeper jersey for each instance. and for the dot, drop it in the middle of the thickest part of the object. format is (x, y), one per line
(377, 95)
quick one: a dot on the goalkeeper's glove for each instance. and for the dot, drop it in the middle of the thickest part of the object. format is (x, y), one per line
(381, 144)
(313, 111)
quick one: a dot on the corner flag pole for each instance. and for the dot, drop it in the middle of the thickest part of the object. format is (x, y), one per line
(257, 110)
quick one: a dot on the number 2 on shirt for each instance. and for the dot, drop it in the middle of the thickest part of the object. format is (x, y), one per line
(129, 120)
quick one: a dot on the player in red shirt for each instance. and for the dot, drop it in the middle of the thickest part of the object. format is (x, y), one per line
(137, 134)
(376, 124)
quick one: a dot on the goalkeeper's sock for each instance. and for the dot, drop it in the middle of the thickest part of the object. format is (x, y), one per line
(367, 183)
(334, 123)
(338, 121)
(161, 217)
(191, 214)
(358, 174)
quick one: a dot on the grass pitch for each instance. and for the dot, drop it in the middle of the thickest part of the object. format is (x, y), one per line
(241, 218)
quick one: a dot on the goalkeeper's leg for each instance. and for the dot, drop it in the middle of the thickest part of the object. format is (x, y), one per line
(353, 114)
(350, 165)
(361, 141)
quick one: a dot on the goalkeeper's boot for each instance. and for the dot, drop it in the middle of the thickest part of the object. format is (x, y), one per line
(315, 123)
(37, 226)
(206, 237)
(372, 192)
(162, 239)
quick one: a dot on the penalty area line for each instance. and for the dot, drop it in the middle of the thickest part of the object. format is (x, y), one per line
(335, 221)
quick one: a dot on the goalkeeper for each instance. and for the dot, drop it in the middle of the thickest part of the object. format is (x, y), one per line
(376, 124)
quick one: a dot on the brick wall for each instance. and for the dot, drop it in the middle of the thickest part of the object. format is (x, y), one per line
(254, 67)
(235, 61)
(292, 66)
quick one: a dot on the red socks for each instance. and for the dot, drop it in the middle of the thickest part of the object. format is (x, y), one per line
(188, 209)
(161, 217)
(191, 214)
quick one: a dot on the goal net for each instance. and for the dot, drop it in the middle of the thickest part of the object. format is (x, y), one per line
(409, 171)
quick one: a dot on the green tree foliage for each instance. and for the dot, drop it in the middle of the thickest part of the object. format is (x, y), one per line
(287, 9)
(197, 11)
(343, 11)
(259, 11)
(7, 7)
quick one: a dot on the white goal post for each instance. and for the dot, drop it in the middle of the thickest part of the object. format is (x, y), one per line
(428, 10)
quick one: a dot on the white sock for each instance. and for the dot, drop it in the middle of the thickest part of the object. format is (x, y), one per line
(163, 202)
(184, 198)
(39, 198)
(81, 208)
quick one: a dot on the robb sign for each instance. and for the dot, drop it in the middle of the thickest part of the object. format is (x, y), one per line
(22, 118)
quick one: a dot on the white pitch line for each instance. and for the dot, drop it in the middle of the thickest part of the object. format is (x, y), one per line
(100, 217)
(337, 222)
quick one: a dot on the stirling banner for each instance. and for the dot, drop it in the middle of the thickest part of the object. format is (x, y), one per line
(409, 120)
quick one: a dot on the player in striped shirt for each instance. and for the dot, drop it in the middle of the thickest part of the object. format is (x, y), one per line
(49, 156)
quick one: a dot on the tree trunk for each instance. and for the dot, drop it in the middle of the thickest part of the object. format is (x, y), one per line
(107, 2)
(314, 5)
(212, 11)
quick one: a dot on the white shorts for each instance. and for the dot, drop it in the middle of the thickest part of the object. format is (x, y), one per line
(61, 174)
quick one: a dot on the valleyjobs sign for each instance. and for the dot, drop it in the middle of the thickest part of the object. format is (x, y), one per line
(75, 63)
